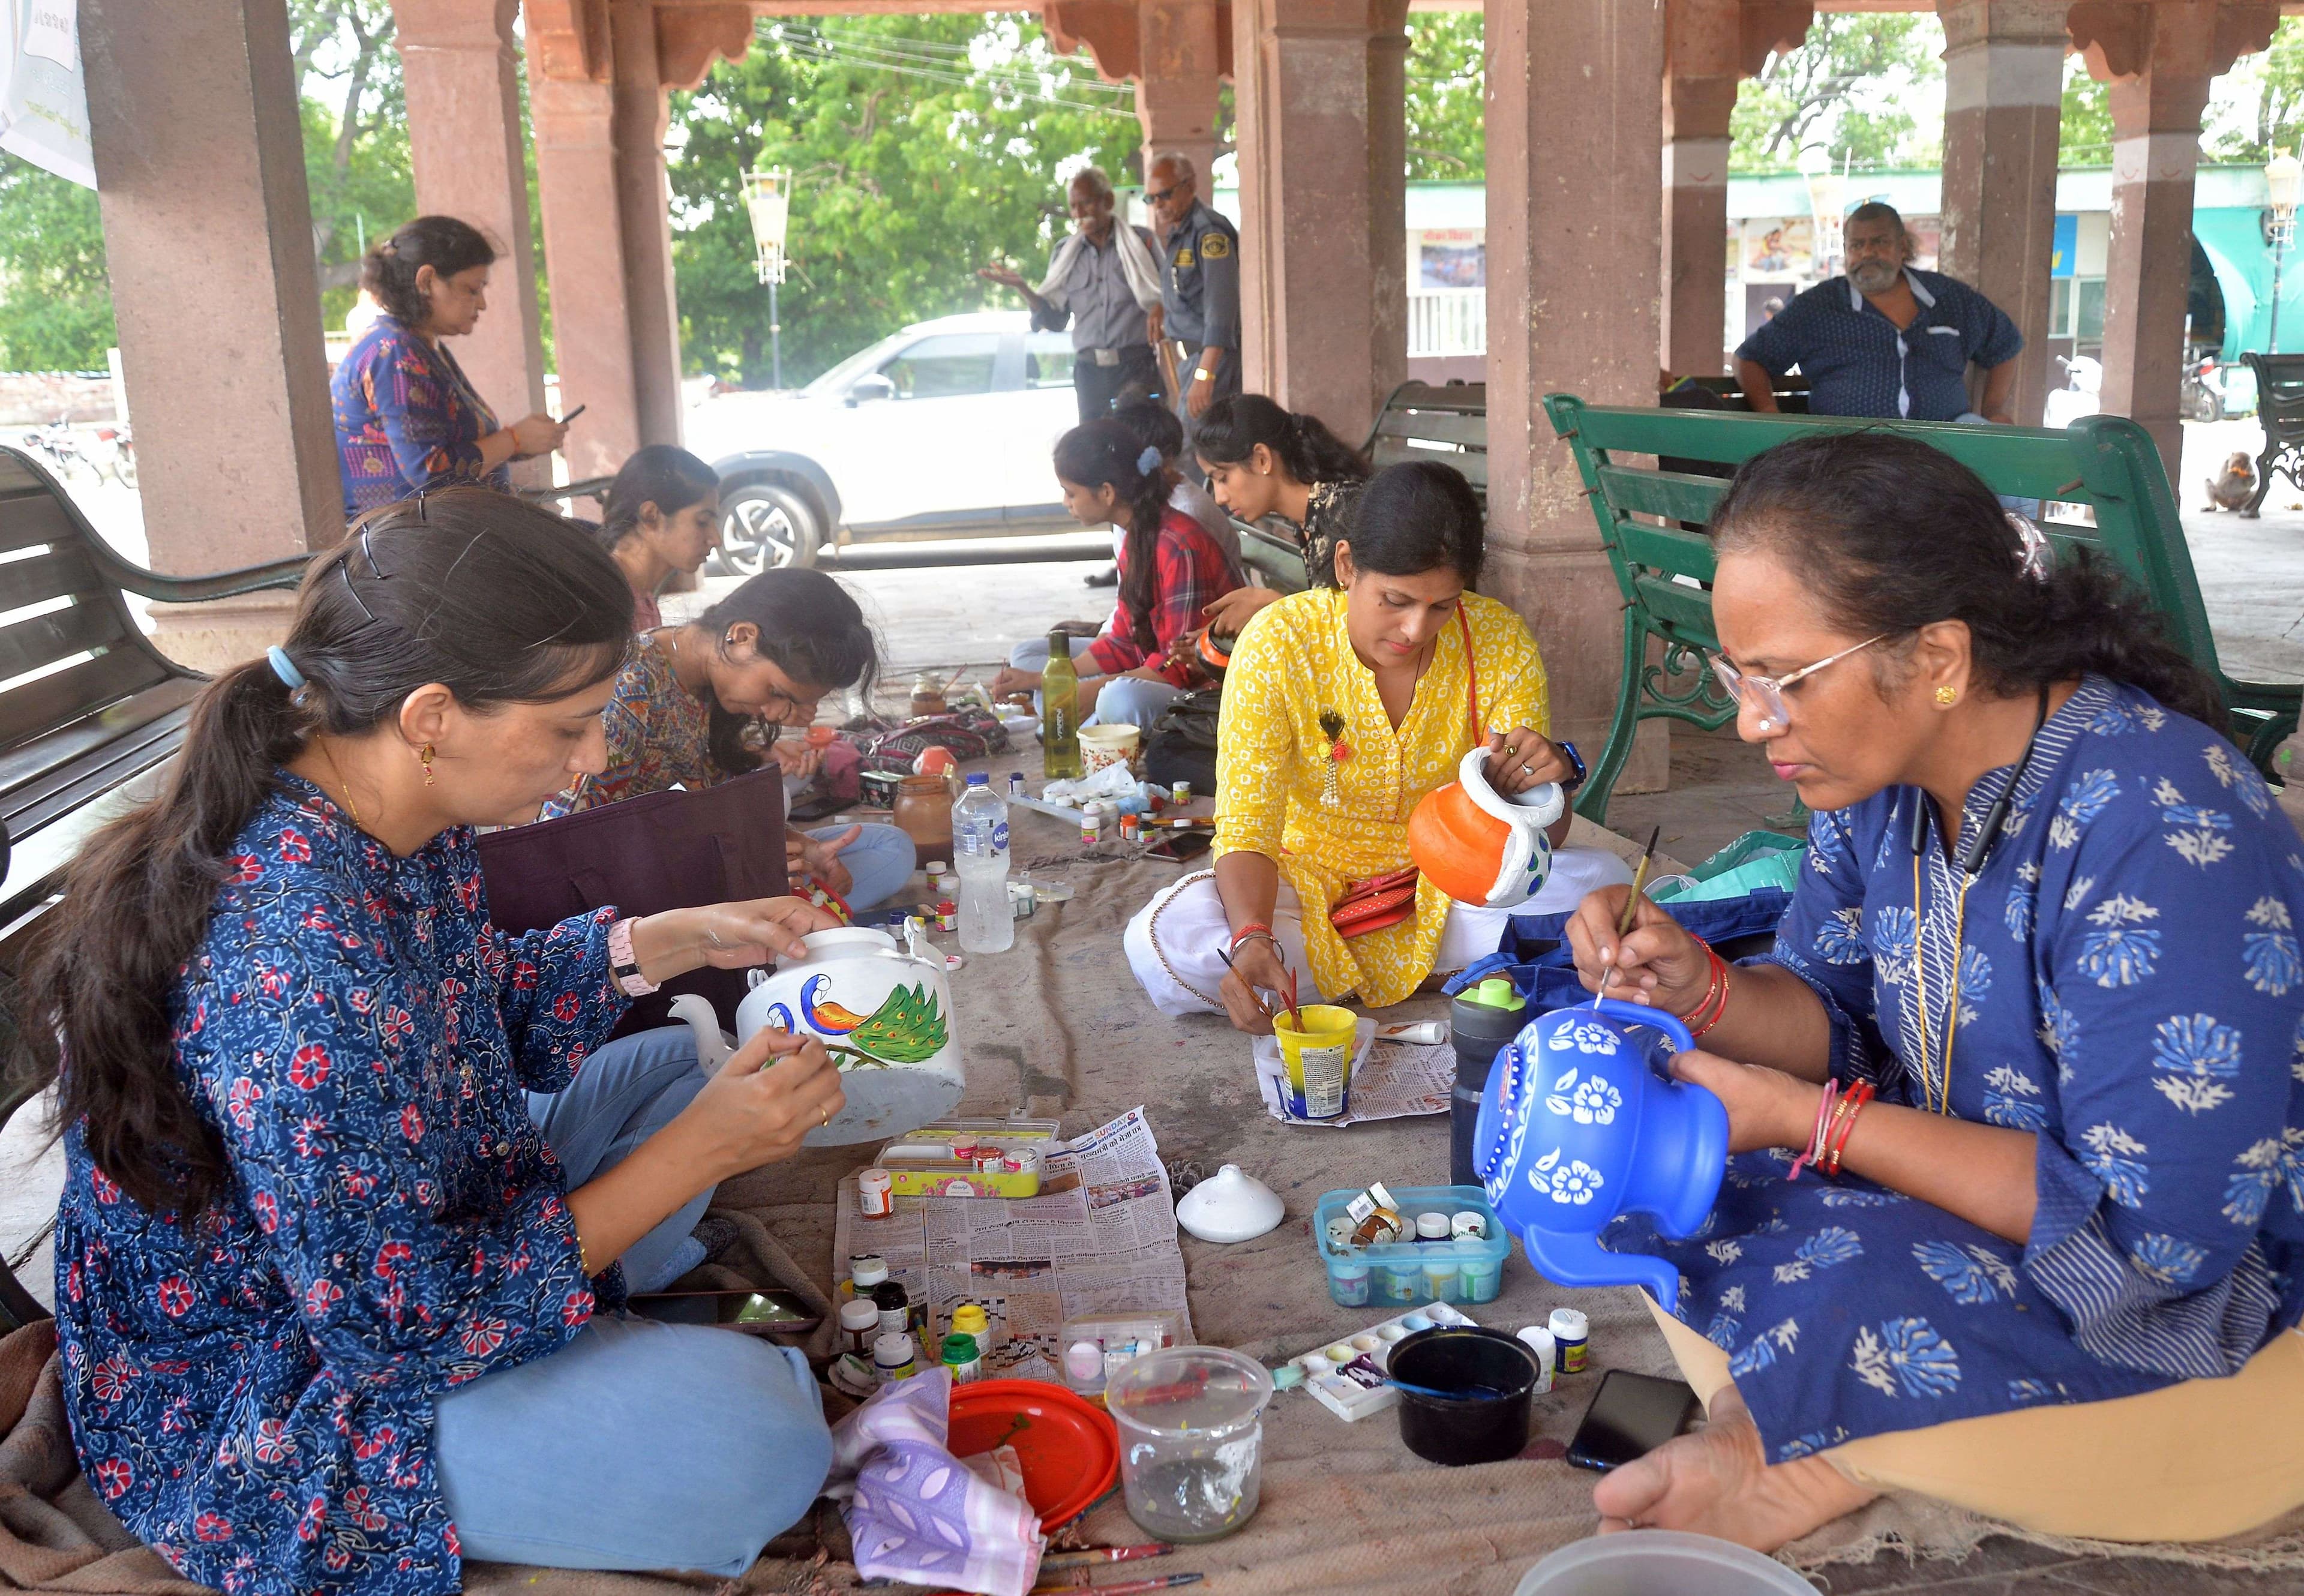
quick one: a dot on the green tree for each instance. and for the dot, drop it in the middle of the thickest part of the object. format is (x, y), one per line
(356, 160)
(1447, 134)
(2084, 135)
(56, 300)
(921, 147)
(2276, 121)
(1843, 89)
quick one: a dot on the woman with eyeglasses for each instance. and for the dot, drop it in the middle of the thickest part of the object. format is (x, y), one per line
(338, 1284)
(690, 705)
(2030, 1040)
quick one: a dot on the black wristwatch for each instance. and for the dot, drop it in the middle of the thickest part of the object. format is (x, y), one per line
(1576, 763)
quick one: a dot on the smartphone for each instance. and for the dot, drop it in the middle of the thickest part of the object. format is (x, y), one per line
(758, 1312)
(1180, 845)
(573, 414)
(1630, 1416)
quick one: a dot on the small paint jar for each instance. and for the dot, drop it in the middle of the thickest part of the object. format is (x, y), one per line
(859, 1327)
(1432, 1228)
(1348, 1284)
(1024, 1160)
(865, 1271)
(1483, 1280)
(1340, 1233)
(1023, 902)
(894, 1305)
(893, 1358)
(1091, 827)
(989, 1160)
(1570, 1331)
(1444, 1279)
(1399, 1282)
(1469, 1227)
(961, 1357)
(947, 885)
(876, 1197)
(948, 915)
(1016, 783)
(936, 868)
(1179, 791)
(1130, 829)
(1539, 1341)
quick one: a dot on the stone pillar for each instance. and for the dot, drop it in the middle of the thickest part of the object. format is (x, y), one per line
(1574, 114)
(2159, 60)
(200, 156)
(459, 67)
(1179, 56)
(1323, 274)
(584, 262)
(644, 213)
(1699, 93)
(2004, 103)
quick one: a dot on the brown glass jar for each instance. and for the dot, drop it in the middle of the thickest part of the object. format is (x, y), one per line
(924, 814)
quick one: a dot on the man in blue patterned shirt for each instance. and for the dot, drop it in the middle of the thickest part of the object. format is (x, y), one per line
(1886, 339)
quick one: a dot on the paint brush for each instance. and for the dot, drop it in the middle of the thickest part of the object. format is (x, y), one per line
(1105, 1554)
(1632, 902)
(1252, 997)
(1134, 1587)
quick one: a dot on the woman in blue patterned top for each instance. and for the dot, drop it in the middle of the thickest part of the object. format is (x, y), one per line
(336, 1310)
(2049, 916)
(406, 416)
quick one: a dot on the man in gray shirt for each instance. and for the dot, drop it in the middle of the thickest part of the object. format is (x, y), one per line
(1102, 279)
(1200, 284)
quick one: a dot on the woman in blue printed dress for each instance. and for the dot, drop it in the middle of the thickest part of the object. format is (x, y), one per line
(336, 1311)
(2050, 917)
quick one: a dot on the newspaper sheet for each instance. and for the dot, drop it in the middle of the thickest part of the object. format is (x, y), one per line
(1390, 1081)
(1099, 1238)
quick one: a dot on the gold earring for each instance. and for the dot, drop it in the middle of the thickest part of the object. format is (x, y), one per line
(424, 758)
(1946, 696)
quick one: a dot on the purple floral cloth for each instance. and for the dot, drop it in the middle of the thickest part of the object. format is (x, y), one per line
(916, 1513)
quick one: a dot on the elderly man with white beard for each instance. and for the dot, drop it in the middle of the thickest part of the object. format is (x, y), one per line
(1886, 339)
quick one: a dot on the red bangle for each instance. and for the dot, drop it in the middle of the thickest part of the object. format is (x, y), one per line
(1254, 929)
(1843, 1122)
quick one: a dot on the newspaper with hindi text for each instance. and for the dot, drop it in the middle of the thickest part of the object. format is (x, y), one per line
(1099, 1238)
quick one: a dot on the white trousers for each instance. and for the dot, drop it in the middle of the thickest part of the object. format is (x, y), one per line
(1173, 942)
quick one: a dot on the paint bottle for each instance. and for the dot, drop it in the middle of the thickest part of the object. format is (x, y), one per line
(895, 1306)
(1569, 1333)
(893, 1359)
(859, 1327)
(1348, 1284)
(875, 1196)
(1130, 829)
(1179, 791)
(1016, 785)
(971, 1320)
(1399, 1282)
(1539, 1341)
(864, 1271)
(961, 1356)
(1444, 1279)
(1432, 1228)
(948, 915)
(1084, 1368)
(1471, 1226)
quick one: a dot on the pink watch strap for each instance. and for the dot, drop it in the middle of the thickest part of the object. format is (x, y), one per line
(623, 964)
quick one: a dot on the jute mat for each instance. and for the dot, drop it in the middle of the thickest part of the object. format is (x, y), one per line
(1058, 1027)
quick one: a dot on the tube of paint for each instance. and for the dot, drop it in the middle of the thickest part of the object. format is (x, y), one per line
(1569, 1330)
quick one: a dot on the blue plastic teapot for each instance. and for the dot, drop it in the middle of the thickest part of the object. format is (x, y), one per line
(1575, 1129)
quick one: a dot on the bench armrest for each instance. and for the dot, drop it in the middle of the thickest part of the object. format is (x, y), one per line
(191, 590)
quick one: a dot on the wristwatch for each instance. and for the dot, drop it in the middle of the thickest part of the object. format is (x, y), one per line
(1576, 763)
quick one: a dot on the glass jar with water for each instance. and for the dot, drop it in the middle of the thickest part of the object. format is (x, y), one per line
(1191, 1440)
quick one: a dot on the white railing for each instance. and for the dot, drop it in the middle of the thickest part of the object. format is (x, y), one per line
(1447, 321)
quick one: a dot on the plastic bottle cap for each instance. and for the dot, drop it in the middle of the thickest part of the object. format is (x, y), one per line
(971, 1318)
(1084, 1361)
(1568, 1325)
(1496, 992)
(979, 779)
(1432, 1228)
(866, 1272)
(959, 1347)
(859, 1314)
(892, 1350)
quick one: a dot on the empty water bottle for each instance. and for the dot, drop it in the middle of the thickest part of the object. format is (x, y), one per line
(979, 847)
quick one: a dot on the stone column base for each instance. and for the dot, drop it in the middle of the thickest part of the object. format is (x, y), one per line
(219, 634)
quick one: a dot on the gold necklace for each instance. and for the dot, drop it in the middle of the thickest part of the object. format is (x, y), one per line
(336, 770)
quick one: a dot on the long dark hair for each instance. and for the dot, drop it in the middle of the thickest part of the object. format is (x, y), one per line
(1105, 453)
(811, 629)
(1418, 517)
(1892, 535)
(1228, 431)
(664, 475)
(466, 587)
(448, 246)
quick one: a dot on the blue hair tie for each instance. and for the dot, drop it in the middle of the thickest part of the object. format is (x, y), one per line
(284, 668)
(1147, 460)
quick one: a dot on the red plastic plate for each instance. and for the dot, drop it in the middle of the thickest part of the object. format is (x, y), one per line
(1067, 1446)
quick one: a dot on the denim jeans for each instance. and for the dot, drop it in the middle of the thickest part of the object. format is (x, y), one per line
(637, 1445)
(1122, 701)
(880, 861)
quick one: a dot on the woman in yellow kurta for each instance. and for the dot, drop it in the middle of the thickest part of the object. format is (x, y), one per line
(1342, 707)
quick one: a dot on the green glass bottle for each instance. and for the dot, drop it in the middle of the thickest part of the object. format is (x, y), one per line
(1060, 749)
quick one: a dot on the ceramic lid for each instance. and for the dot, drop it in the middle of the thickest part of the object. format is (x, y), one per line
(1230, 1206)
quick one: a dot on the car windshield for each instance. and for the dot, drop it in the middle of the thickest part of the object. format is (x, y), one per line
(836, 380)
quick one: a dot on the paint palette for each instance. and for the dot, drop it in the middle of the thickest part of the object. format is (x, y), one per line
(1347, 1376)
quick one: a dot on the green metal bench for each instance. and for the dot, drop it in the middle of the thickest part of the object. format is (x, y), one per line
(1420, 421)
(1664, 571)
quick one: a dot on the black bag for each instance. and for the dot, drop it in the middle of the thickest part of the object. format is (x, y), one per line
(671, 850)
(1183, 743)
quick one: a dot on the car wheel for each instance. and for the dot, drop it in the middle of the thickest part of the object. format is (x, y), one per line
(763, 527)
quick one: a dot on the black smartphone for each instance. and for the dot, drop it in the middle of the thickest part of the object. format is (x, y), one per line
(1180, 845)
(758, 1312)
(573, 414)
(1630, 1416)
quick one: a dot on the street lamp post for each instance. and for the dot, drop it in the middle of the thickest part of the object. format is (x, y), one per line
(767, 201)
(2283, 175)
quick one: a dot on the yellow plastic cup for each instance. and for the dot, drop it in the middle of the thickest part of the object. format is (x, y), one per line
(1319, 1058)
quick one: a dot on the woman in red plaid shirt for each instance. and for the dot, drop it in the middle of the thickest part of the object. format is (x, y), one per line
(1170, 571)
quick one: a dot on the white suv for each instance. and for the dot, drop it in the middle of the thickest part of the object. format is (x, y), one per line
(941, 430)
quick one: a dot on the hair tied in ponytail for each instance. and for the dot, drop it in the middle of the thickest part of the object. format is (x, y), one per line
(284, 668)
(1147, 462)
(2034, 556)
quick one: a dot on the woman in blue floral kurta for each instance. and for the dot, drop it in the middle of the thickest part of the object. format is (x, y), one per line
(330, 1302)
(2083, 1178)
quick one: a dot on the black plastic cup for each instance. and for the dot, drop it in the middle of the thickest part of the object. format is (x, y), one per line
(1486, 1425)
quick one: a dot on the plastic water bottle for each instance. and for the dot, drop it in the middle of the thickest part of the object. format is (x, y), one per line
(980, 849)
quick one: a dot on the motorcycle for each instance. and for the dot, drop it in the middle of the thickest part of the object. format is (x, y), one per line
(2203, 397)
(120, 467)
(2082, 394)
(62, 447)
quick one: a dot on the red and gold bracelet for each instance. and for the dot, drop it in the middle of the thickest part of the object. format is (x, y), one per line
(1843, 1121)
(1253, 928)
(1713, 1003)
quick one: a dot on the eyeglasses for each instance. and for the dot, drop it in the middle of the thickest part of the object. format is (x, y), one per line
(1765, 694)
(1162, 196)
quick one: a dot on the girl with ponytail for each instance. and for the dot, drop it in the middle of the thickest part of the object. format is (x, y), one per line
(327, 1254)
(1171, 570)
(2032, 1015)
(1261, 461)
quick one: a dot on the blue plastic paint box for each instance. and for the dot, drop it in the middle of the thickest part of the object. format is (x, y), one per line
(1460, 1269)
